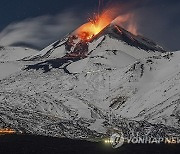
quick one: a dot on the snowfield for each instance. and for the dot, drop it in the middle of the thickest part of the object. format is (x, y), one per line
(9, 57)
(15, 53)
(59, 94)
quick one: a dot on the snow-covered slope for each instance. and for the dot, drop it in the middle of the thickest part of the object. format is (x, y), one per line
(9, 57)
(71, 86)
(15, 53)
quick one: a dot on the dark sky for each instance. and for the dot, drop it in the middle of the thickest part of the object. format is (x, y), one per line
(40, 22)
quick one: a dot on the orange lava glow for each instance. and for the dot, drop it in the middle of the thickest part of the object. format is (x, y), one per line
(100, 20)
(7, 131)
(96, 24)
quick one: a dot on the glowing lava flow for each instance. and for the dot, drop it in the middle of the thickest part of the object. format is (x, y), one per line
(96, 24)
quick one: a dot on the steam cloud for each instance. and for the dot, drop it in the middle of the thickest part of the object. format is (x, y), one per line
(40, 31)
(128, 22)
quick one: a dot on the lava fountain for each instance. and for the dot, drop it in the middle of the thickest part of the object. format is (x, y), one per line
(96, 24)
(99, 21)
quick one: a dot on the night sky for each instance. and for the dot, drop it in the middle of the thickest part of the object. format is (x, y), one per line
(37, 23)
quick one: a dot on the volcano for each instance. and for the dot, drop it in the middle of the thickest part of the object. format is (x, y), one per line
(74, 46)
(75, 85)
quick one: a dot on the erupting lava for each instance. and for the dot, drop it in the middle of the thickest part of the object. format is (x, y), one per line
(96, 24)
(99, 21)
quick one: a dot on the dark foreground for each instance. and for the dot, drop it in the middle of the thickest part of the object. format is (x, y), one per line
(25, 144)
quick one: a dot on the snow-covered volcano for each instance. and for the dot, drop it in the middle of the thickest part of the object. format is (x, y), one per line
(115, 38)
(71, 86)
